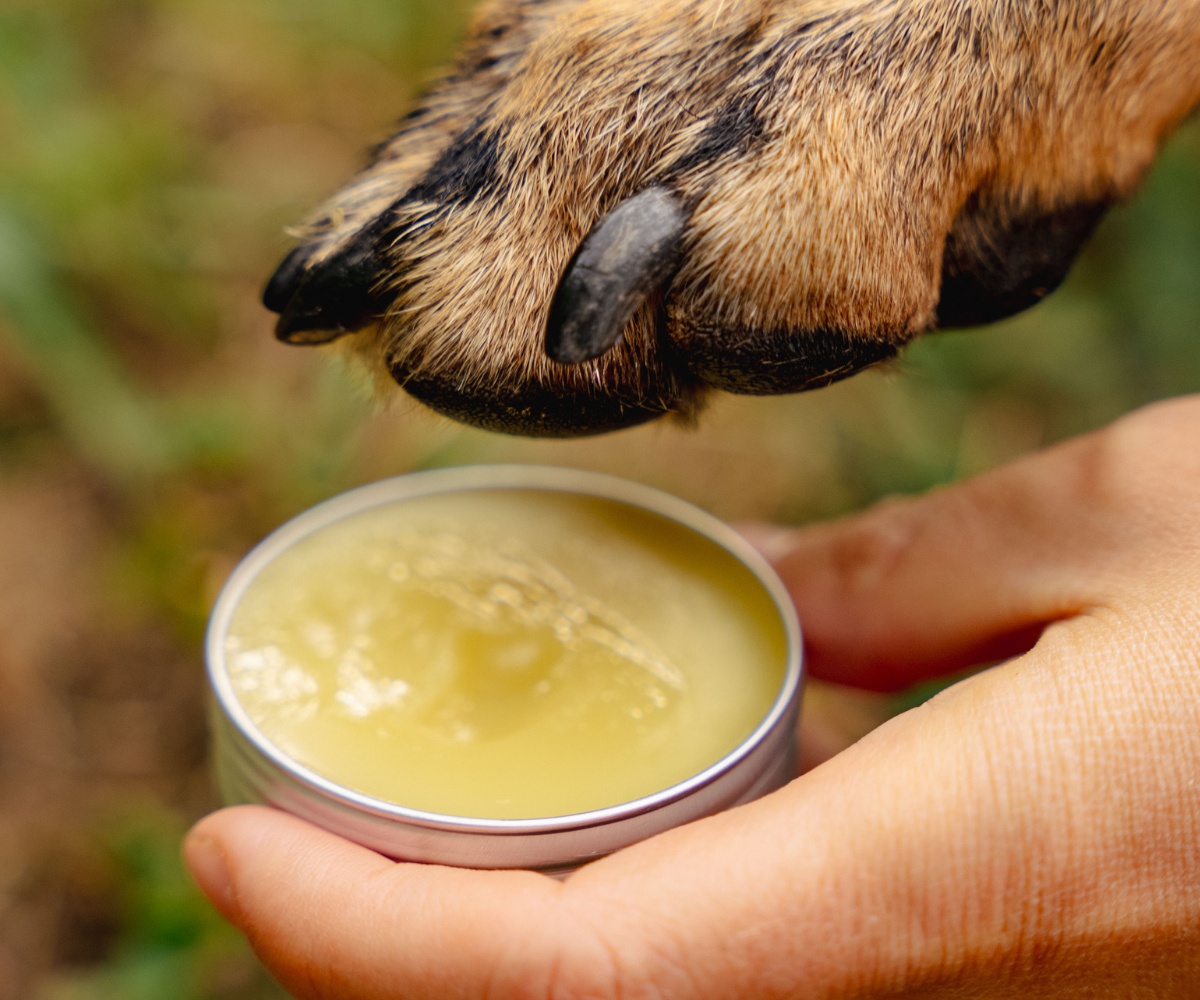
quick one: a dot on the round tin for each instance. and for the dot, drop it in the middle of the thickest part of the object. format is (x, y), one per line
(250, 769)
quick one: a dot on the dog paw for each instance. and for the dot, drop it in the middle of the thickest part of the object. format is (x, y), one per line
(612, 206)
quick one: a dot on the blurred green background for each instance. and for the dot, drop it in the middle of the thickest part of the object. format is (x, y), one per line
(151, 430)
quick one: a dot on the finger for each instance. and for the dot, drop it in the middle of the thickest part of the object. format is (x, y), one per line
(922, 587)
(332, 919)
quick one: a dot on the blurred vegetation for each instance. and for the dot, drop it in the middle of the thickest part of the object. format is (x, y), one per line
(151, 429)
(164, 941)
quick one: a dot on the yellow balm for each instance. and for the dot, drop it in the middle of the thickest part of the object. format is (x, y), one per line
(506, 653)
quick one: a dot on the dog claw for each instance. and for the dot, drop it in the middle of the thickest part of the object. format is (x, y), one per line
(629, 254)
(287, 278)
(328, 300)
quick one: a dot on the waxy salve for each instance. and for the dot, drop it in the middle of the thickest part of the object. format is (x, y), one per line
(503, 666)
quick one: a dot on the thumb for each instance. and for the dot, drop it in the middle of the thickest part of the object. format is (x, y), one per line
(332, 919)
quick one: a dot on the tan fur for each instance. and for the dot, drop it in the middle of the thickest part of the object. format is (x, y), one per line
(884, 126)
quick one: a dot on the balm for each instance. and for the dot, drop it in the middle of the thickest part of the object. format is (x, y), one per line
(505, 653)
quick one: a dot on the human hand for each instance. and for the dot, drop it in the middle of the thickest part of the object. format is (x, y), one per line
(1034, 831)
(779, 192)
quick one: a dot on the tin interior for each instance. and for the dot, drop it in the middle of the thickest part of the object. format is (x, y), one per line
(780, 717)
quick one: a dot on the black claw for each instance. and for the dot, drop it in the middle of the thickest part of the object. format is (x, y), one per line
(631, 252)
(333, 298)
(287, 277)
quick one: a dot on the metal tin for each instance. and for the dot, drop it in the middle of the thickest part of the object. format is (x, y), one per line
(250, 769)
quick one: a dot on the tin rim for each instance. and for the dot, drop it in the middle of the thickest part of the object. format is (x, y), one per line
(491, 477)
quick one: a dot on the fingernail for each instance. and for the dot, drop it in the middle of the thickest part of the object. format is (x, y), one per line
(206, 860)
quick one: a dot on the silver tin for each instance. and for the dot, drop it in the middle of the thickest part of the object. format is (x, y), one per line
(250, 769)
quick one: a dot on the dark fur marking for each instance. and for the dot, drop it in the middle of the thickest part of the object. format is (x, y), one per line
(1011, 262)
(962, 33)
(758, 363)
(749, 37)
(469, 169)
(376, 150)
(979, 46)
(416, 114)
(839, 46)
(1106, 56)
(805, 27)
(336, 297)
(534, 411)
(736, 128)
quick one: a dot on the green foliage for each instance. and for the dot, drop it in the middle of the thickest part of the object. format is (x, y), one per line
(170, 942)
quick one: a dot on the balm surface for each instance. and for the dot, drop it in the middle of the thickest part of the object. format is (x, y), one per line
(506, 653)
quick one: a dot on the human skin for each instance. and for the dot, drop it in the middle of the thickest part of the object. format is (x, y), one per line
(1034, 831)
